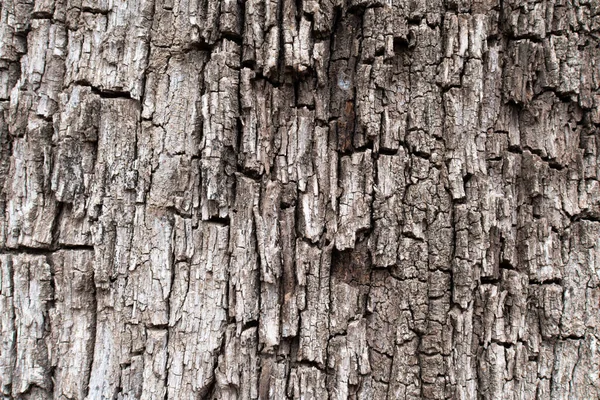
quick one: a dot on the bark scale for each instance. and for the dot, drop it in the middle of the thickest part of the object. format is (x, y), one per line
(299, 199)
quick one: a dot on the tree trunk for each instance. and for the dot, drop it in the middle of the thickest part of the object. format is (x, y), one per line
(299, 199)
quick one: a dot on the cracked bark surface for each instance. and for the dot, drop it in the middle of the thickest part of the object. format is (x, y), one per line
(299, 199)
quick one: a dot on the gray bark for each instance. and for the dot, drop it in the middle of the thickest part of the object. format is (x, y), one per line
(299, 199)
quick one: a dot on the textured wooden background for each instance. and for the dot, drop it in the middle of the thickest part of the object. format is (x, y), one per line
(299, 199)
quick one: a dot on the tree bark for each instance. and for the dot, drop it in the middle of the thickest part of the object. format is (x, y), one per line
(299, 199)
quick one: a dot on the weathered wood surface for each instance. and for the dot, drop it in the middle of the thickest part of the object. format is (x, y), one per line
(311, 199)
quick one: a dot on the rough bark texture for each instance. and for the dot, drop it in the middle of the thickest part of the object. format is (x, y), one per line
(299, 199)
